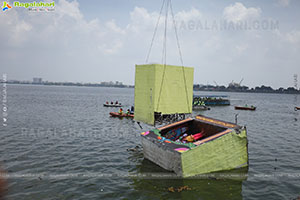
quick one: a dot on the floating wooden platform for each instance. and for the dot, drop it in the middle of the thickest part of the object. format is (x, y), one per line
(211, 100)
(224, 146)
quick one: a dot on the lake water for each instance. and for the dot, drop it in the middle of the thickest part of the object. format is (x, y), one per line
(60, 143)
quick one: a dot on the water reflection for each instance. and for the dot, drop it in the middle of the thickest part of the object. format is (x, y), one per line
(221, 185)
(3, 186)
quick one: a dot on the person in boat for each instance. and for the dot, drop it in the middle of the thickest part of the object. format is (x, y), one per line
(198, 136)
(195, 137)
(189, 138)
(132, 110)
(121, 111)
(106, 103)
(117, 102)
(128, 112)
(111, 103)
(181, 138)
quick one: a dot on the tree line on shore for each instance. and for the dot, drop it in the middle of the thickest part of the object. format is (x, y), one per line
(231, 88)
(196, 87)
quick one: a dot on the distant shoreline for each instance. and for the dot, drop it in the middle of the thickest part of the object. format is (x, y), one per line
(284, 91)
(69, 84)
(245, 89)
(249, 91)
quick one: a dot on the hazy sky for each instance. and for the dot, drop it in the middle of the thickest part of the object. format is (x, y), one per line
(94, 41)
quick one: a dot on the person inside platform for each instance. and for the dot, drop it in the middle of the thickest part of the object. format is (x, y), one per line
(121, 111)
(195, 137)
(128, 112)
(189, 138)
(132, 110)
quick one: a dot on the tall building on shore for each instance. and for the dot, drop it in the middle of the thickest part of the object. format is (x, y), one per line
(37, 80)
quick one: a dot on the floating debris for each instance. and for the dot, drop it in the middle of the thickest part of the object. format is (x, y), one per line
(131, 149)
(172, 189)
(136, 148)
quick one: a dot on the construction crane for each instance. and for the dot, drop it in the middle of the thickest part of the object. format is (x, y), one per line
(216, 83)
(236, 85)
(241, 82)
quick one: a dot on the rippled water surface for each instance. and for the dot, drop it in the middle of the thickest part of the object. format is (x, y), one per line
(65, 145)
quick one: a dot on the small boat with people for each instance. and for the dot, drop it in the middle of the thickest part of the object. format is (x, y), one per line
(112, 104)
(129, 113)
(211, 100)
(246, 107)
(121, 115)
(199, 105)
(297, 108)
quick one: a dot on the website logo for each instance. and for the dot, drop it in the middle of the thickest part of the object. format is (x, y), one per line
(34, 6)
(5, 6)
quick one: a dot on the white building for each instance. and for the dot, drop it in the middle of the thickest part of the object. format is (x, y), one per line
(37, 80)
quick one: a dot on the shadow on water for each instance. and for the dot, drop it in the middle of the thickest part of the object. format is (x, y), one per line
(205, 188)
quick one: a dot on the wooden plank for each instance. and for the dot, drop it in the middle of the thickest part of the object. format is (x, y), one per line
(175, 124)
(212, 137)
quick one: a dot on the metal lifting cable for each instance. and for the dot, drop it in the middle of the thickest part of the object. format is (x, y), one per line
(175, 29)
(164, 52)
(155, 30)
(176, 34)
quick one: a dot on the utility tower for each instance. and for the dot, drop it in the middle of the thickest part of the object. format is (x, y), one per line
(296, 81)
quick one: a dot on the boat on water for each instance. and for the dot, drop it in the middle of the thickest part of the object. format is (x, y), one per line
(297, 108)
(116, 114)
(222, 146)
(190, 146)
(200, 107)
(112, 105)
(211, 100)
(245, 108)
